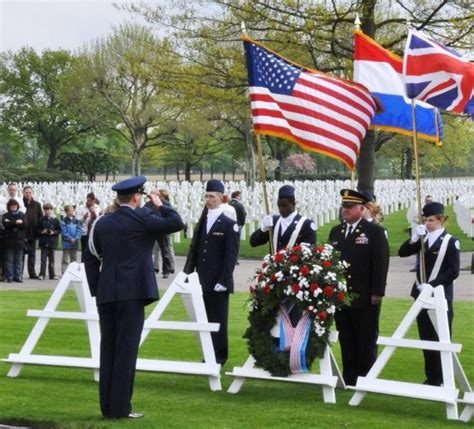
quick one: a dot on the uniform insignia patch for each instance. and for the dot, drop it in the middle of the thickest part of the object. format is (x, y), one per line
(313, 226)
(236, 227)
(218, 233)
(361, 240)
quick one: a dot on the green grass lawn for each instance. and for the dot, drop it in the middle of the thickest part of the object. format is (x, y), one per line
(395, 223)
(68, 398)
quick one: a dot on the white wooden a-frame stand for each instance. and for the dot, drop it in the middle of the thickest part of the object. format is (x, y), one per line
(187, 286)
(74, 277)
(191, 293)
(329, 377)
(434, 301)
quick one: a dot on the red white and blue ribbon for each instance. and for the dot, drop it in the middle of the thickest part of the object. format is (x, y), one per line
(295, 339)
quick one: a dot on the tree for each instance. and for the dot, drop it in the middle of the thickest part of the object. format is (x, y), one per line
(300, 162)
(32, 88)
(124, 83)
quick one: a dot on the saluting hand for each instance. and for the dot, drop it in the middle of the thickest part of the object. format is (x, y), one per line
(155, 199)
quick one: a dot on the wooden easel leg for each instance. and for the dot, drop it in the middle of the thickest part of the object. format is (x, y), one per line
(239, 381)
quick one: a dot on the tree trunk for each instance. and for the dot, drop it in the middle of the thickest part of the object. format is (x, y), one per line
(137, 162)
(278, 171)
(366, 164)
(212, 171)
(250, 163)
(200, 174)
(408, 164)
(402, 163)
(177, 173)
(223, 176)
(187, 171)
(164, 173)
(53, 153)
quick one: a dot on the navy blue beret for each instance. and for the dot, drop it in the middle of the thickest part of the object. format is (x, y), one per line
(286, 191)
(130, 186)
(432, 209)
(215, 186)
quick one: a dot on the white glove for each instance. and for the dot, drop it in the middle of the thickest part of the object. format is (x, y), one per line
(421, 286)
(219, 288)
(266, 223)
(420, 231)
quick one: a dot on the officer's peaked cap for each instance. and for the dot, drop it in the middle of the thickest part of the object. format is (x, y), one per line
(351, 196)
(130, 186)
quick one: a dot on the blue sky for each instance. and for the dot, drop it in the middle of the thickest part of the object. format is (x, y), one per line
(54, 24)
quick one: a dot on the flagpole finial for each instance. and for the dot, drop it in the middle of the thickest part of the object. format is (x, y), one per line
(244, 29)
(357, 22)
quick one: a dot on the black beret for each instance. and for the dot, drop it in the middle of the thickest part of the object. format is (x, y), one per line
(215, 186)
(130, 186)
(286, 191)
(432, 209)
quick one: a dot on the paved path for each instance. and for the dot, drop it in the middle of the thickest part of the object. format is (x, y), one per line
(400, 279)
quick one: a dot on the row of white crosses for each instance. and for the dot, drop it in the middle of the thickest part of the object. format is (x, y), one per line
(318, 200)
(464, 209)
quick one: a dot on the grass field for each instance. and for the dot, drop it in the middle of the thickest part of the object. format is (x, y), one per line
(67, 397)
(395, 223)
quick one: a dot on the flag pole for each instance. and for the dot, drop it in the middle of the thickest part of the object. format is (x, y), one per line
(418, 192)
(353, 178)
(261, 165)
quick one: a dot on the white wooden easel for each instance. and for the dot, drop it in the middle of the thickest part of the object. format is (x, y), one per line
(434, 301)
(191, 293)
(329, 377)
(187, 286)
(74, 277)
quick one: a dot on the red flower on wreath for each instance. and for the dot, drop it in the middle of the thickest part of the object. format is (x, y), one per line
(279, 258)
(297, 248)
(260, 277)
(341, 296)
(313, 287)
(327, 264)
(273, 278)
(296, 288)
(294, 259)
(304, 270)
(319, 248)
(323, 315)
(328, 291)
(267, 289)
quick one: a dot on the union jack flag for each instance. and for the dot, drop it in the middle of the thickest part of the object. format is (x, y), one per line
(438, 75)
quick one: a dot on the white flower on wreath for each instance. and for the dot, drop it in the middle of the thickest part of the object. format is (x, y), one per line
(319, 330)
(288, 290)
(317, 269)
(330, 276)
(299, 295)
(279, 276)
(331, 309)
(317, 292)
(342, 286)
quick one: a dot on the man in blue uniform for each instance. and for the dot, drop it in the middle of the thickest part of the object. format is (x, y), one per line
(289, 228)
(438, 245)
(364, 246)
(213, 254)
(120, 274)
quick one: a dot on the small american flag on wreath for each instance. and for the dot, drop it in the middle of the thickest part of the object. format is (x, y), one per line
(318, 112)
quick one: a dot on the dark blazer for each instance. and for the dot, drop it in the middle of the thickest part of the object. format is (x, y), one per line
(33, 215)
(449, 270)
(214, 255)
(14, 234)
(307, 234)
(367, 252)
(125, 240)
(239, 210)
(51, 225)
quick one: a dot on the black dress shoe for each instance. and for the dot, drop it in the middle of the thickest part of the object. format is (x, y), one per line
(34, 277)
(135, 415)
(432, 382)
(18, 280)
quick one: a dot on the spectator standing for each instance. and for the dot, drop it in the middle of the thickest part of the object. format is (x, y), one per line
(240, 211)
(48, 230)
(71, 232)
(163, 246)
(12, 194)
(227, 209)
(87, 217)
(33, 215)
(14, 223)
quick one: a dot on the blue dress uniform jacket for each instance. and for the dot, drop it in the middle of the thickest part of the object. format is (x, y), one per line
(367, 252)
(125, 242)
(307, 234)
(217, 254)
(448, 272)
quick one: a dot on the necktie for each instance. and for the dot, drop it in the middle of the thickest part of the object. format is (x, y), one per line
(349, 231)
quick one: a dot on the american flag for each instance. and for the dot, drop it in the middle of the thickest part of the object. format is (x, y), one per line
(438, 75)
(318, 112)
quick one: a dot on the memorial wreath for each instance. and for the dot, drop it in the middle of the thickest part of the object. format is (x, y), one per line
(306, 279)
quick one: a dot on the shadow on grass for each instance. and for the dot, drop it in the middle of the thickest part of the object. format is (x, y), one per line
(21, 423)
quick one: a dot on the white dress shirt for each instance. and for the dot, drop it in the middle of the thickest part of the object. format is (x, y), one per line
(286, 221)
(433, 236)
(212, 216)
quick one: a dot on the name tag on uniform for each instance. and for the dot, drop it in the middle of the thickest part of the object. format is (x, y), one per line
(218, 233)
(362, 239)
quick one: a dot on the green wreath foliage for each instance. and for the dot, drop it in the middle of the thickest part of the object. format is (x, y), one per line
(312, 277)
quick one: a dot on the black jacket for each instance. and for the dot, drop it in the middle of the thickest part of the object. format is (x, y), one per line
(33, 215)
(53, 229)
(14, 234)
(367, 252)
(239, 210)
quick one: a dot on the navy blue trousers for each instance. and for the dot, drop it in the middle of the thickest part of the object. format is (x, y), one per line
(217, 310)
(121, 325)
